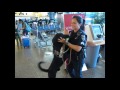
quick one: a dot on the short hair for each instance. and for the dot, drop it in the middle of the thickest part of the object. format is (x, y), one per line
(21, 20)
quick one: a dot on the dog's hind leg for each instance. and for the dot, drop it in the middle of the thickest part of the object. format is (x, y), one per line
(54, 67)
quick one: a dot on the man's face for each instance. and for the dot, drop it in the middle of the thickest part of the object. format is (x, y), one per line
(75, 25)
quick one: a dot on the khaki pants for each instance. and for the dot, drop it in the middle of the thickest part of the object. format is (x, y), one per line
(18, 39)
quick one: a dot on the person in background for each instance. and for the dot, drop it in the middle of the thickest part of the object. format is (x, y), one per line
(25, 32)
(40, 22)
(17, 37)
(26, 21)
(19, 26)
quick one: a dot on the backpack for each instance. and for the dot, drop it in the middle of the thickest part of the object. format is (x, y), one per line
(28, 28)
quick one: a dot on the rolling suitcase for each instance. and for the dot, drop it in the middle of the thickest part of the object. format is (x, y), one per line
(26, 41)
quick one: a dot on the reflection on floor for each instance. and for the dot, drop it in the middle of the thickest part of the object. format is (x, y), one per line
(26, 61)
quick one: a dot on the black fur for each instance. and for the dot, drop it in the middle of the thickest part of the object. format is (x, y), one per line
(39, 65)
(56, 62)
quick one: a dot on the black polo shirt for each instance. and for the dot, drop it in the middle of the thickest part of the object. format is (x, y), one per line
(77, 38)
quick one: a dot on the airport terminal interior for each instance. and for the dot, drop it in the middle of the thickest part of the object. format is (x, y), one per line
(42, 27)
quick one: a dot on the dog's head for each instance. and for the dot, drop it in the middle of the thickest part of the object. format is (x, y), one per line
(57, 45)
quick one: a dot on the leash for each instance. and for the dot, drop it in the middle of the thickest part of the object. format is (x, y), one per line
(64, 53)
(66, 60)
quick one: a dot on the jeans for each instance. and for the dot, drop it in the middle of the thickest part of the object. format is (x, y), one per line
(75, 68)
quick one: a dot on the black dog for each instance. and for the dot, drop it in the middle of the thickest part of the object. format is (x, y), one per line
(57, 60)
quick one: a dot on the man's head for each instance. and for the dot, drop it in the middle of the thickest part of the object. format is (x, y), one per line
(20, 21)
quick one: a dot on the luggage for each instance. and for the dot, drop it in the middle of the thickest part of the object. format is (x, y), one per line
(26, 41)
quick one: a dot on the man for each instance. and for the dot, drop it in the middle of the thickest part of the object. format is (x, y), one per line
(17, 37)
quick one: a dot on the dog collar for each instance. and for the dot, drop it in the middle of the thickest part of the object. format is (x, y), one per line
(56, 53)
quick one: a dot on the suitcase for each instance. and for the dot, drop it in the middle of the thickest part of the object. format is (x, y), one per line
(26, 41)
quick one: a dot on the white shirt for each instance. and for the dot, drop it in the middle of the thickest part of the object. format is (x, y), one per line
(19, 26)
(27, 36)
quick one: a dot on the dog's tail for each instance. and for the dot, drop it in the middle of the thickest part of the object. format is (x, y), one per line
(40, 67)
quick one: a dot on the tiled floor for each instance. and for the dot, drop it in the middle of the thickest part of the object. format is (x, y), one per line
(26, 61)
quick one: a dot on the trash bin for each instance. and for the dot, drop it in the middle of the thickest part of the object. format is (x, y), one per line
(92, 53)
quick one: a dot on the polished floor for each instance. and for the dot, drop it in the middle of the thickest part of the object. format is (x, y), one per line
(26, 61)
